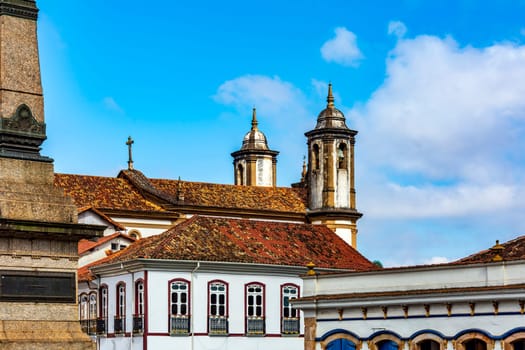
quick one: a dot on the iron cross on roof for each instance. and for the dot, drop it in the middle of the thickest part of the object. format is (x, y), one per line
(129, 143)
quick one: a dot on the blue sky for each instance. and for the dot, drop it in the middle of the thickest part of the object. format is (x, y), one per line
(436, 90)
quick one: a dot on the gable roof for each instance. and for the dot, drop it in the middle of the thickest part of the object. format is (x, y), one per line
(132, 191)
(106, 218)
(85, 245)
(104, 193)
(247, 241)
(510, 250)
(198, 195)
(233, 196)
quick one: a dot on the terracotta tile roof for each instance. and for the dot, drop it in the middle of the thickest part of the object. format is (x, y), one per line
(84, 245)
(282, 199)
(511, 250)
(104, 193)
(84, 273)
(247, 241)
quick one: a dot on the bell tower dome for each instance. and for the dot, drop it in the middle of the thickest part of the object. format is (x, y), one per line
(255, 164)
(330, 176)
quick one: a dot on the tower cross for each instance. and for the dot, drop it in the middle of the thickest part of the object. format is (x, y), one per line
(129, 143)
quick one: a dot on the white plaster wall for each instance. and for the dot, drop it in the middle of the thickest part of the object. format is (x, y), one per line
(158, 299)
(316, 179)
(342, 190)
(446, 276)
(91, 218)
(158, 310)
(100, 251)
(264, 171)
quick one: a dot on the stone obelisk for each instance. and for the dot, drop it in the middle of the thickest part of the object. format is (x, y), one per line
(38, 223)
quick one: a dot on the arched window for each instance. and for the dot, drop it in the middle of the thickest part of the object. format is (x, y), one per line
(179, 306)
(120, 312)
(427, 341)
(217, 307)
(515, 341)
(138, 318)
(386, 341)
(255, 320)
(240, 175)
(428, 344)
(342, 156)
(289, 315)
(135, 234)
(387, 344)
(475, 344)
(84, 307)
(518, 344)
(340, 344)
(474, 341)
(315, 157)
(103, 308)
(93, 310)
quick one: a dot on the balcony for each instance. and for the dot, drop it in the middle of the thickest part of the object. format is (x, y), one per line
(101, 326)
(255, 325)
(218, 325)
(290, 325)
(120, 324)
(180, 324)
(138, 324)
(84, 325)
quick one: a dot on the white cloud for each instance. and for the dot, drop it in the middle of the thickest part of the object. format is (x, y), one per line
(444, 134)
(397, 28)
(274, 98)
(111, 104)
(342, 48)
(436, 260)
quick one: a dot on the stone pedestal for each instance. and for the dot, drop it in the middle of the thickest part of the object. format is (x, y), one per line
(38, 260)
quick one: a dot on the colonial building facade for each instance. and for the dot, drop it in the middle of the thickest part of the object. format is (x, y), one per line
(477, 303)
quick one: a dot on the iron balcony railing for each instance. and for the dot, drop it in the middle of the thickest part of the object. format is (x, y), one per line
(218, 325)
(180, 324)
(138, 324)
(290, 325)
(101, 326)
(120, 324)
(84, 325)
(255, 325)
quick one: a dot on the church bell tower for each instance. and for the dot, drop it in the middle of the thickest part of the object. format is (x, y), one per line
(330, 175)
(255, 164)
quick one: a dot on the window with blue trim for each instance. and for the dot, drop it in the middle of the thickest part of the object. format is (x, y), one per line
(340, 344)
(387, 345)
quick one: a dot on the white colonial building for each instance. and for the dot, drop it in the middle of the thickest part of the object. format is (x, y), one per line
(477, 303)
(209, 283)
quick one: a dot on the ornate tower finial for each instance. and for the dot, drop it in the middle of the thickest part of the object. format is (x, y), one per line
(254, 119)
(303, 173)
(129, 143)
(330, 98)
(255, 164)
